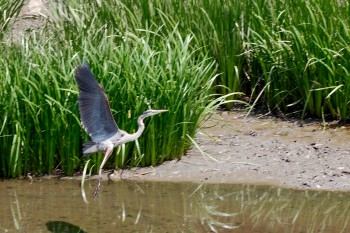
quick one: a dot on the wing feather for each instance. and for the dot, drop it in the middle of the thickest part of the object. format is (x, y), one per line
(95, 112)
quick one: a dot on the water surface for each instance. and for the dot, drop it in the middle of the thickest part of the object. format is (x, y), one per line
(130, 206)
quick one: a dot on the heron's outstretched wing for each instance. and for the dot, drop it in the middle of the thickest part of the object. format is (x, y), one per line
(95, 112)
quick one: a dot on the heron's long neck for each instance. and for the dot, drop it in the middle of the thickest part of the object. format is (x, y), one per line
(141, 127)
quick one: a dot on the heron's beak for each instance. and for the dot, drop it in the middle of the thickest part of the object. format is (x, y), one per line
(162, 110)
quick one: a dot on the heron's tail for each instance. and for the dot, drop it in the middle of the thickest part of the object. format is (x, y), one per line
(89, 148)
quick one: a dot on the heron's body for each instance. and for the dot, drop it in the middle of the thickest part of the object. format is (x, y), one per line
(113, 141)
(97, 119)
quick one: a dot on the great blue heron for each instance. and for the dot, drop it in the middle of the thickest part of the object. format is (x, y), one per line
(97, 119)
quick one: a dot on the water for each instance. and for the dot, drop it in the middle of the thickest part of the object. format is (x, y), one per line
(125, 206)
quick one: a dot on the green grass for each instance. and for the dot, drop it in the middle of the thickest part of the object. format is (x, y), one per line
(139, 69)
(9, 10)
(300, 48)
(292, 56)
(219, 26)
(294, 52)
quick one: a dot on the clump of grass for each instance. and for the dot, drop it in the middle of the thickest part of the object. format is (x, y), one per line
(9, 10)
(39, 124)
(300, 50)
(139, 69)
(295, 53)
(219, 26)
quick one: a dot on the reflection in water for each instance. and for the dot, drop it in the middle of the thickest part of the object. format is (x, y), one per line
(15, 211)
(177, 207)
(63, 227)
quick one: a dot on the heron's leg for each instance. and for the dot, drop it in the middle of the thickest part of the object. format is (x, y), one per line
(121, 174)
(107, 154)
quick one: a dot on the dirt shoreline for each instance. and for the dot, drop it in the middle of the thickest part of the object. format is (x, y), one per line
(257, 150)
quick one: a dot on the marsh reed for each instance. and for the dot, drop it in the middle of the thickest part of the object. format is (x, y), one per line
(139, 70)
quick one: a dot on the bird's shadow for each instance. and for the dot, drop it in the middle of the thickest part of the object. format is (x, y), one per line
(63, 227)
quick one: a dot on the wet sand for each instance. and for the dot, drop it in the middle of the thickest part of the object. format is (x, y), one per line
(253, 150)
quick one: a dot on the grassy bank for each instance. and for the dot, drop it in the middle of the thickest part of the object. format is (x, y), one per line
(289, 56)
(139, 69)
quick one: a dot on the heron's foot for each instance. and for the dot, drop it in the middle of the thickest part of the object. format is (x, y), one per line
(97, 191)
(121, 174)
(115, 175)
(111, 173)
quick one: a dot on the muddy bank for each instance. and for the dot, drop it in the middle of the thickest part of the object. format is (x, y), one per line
(259, 151)
(238, 150)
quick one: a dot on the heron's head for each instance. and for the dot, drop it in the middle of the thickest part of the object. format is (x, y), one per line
(153, 112)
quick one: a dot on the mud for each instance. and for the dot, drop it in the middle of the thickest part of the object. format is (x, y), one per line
(32, 16)
(253, 150)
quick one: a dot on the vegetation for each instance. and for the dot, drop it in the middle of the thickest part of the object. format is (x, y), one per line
(9, 10)
(140, 70)
(292, 56)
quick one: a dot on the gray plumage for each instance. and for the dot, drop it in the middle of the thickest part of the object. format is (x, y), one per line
(95, 113)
